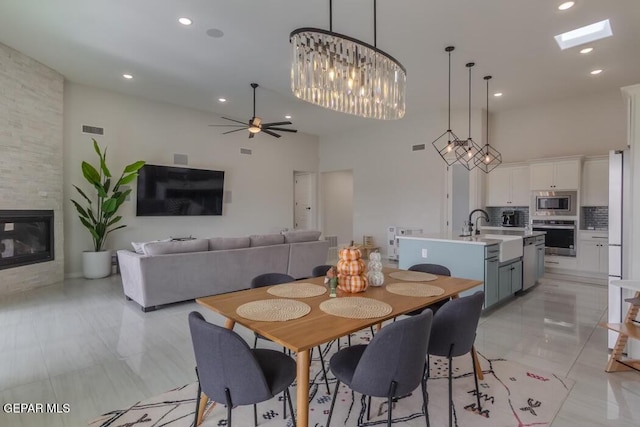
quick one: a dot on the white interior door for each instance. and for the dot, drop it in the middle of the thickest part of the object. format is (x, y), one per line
(303, 203)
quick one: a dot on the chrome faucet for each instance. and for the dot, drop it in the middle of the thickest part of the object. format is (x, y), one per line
(485, 217)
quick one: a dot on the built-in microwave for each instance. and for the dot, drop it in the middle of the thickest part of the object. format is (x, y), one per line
(554, 202)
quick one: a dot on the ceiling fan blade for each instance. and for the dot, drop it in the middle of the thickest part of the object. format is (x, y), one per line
(280, 129)
(268, 132)
(233, 120)
(239, 126)
(276, 123)
(231, 131)
(251, 135)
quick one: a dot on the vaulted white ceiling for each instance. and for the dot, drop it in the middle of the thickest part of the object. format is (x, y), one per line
(94, 42)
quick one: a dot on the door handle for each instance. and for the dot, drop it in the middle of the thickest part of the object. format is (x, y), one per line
(308, 208)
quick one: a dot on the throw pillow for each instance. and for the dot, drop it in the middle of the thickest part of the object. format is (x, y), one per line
(297, 236)
(266, 239)
(139, 246)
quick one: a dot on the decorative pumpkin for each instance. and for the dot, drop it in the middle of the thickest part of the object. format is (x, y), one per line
(351, 268)
(375, 256)
(374, 265)
(353, 284)
(349, 253)
(376, 278)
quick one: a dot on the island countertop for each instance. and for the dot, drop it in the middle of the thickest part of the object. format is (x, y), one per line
(473, 240)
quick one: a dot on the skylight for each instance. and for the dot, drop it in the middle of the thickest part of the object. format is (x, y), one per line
(583, 35)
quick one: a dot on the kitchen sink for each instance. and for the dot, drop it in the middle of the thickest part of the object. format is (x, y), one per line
(510, 248)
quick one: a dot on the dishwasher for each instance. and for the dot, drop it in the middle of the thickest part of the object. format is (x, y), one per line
(529, 262)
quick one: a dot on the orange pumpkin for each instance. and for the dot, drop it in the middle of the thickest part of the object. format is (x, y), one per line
(349, 253)
(353, 284)
(351, 268)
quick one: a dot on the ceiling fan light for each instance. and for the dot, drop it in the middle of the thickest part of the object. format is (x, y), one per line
(254, 129)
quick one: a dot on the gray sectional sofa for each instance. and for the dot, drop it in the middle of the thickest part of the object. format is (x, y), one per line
(174, 271)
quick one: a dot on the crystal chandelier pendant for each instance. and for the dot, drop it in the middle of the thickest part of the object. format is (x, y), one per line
(488, 158)
(346, 75)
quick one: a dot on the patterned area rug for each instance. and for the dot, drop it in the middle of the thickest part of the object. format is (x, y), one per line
(512, 395)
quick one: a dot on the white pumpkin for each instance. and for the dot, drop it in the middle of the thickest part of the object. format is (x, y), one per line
(376, 278)
(374, 265)
(375, 256)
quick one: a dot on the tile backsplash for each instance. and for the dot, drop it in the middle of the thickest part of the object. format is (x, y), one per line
(495, 214)
(594, 217)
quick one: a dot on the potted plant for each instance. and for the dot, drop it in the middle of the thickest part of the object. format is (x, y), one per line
(100, 217)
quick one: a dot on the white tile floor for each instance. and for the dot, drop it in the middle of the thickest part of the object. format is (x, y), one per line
(81, 343)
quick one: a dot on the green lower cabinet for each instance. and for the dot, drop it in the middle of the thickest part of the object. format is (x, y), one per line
(509, 279)
(490, 282)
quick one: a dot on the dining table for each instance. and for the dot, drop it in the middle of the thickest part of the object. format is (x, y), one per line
(317, 327)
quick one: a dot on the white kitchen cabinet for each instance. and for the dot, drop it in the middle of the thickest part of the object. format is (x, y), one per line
(508, 186)
(556, 175)
(593, 252)
(595, 183)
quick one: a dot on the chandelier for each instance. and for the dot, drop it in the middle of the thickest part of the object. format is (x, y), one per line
(488, 158)
(347, 75)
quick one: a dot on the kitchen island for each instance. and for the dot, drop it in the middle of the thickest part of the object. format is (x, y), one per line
(493, 258)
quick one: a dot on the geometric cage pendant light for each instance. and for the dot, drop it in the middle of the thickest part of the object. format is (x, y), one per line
(446, 143)
(488, 158)
(467, 150)
(345, 74)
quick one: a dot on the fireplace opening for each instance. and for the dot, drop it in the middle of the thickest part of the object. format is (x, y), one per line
(26, 237)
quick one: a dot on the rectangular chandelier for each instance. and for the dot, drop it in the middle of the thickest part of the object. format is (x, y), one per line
(346, 75)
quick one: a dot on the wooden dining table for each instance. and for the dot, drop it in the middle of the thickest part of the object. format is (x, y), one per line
(302, 334)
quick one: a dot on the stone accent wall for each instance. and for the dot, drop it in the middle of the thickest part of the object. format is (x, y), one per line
(31, 153)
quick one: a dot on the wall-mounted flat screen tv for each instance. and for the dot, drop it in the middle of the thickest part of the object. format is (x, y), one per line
(173, 191)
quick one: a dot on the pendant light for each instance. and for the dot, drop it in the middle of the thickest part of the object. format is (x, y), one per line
(488, 158)
(467, 150)
(445, 143)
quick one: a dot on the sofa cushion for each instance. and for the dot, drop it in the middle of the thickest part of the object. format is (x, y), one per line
(298, 236)
(139, 246)
(266, 239)
(219, 243)
(176, 247)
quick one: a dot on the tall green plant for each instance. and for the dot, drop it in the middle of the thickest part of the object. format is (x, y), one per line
(99, 218)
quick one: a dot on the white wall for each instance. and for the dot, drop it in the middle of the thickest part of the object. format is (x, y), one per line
(588, 125)
(395, 186)
(261, 185)
(337, 205)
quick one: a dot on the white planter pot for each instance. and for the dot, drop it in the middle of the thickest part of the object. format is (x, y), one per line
(96, 265)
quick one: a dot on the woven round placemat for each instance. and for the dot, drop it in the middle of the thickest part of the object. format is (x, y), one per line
(273, 310)
(414, 289)
(297, 290)
(413, 276)
(355, 307)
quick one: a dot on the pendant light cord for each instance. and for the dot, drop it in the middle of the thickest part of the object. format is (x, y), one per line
(449, 49)
(375, 23)
(487, 78)
(331, 15)
(469, 65)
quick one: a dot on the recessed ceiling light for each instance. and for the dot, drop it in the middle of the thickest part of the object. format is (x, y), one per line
(497, 94)
(566, 5)
(594, 72)
(222, 99)
(585, 34)
(587, 50)
(185, 21)
(127, 76)
(287, 116)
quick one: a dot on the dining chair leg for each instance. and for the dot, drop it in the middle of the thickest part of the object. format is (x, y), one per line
(227, 394)
(324, 370)
(450, 393)
(333, 402)
(369, 409)
(349, 339)
(392, 391)
(293, 414)
(425, 400)
(255, 415)
(195, 422)
(284, 407)
(373, 334)
(255, 340)
(475, 377)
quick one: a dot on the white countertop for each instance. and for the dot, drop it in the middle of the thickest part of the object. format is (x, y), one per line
(473, 240)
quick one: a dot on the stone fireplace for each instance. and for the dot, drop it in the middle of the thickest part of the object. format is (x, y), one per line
(26, 237)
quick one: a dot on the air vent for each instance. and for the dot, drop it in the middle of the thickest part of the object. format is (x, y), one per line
(180, 159)
(93, 130)
(417, 147)
(245, 151)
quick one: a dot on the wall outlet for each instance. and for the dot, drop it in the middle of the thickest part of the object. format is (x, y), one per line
(424, 253)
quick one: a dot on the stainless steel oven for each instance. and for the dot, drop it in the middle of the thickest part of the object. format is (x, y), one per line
(560, 238)
(554, 203)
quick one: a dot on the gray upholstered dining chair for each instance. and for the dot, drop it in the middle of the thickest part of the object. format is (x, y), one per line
(438, 269)
(230, 372)
(270, 279)
(453, 333)
(391, 365)
(320, 270)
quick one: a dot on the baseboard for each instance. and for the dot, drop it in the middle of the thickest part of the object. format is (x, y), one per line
(75, 275)
(575, 278)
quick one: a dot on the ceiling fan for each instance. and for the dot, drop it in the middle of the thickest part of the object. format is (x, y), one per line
(255, 124)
